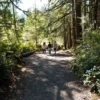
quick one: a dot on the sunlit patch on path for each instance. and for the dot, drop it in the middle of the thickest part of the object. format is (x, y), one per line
(55, 57)
(23, 69)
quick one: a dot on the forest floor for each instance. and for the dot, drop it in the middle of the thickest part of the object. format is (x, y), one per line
(49, 77)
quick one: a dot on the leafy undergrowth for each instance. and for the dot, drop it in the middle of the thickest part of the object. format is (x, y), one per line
(8, 84)
(87, 62)
(11, 62)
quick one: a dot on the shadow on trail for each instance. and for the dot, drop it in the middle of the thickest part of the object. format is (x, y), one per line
(47, 79)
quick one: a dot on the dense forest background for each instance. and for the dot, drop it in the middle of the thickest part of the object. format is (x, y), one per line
(74, 24)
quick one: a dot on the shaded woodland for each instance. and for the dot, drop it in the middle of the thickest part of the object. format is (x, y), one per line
(75, 23)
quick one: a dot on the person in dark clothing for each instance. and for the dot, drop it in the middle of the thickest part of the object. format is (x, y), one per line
(49, 47)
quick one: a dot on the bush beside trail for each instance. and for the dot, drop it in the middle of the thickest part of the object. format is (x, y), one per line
(11, 62)
(87, 62)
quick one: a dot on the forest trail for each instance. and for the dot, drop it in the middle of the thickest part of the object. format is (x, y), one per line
(48, 77)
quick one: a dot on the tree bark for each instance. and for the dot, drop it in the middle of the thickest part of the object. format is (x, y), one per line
(95, 13)
(73, 25)
(69, 39)
(90, 11)
(78, 19)
(64, 33)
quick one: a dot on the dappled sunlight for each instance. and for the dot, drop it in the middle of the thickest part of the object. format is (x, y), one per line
(56, 57)
(30, 71)
(52, 63)
(42, 79)
(48, 77)
(72, 84)
(76, 88)
(35, 63)
(63, 95)
(23, 69)
(49, 49)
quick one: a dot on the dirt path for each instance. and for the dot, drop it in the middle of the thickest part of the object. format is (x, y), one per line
(48, 77)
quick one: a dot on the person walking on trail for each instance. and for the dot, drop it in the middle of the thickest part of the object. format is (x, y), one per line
(49, 47)
(44, 47)
(55, 47)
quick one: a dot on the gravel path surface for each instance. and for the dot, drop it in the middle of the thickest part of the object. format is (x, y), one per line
(48, 77)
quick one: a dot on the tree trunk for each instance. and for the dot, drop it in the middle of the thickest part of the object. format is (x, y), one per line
(64, 33)
(69, 39)
(84, 5)
(95, 13)
(65, 41)
(83, 16)
(90, 11)
(73, 25)
(78, 19)
(36, 41)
